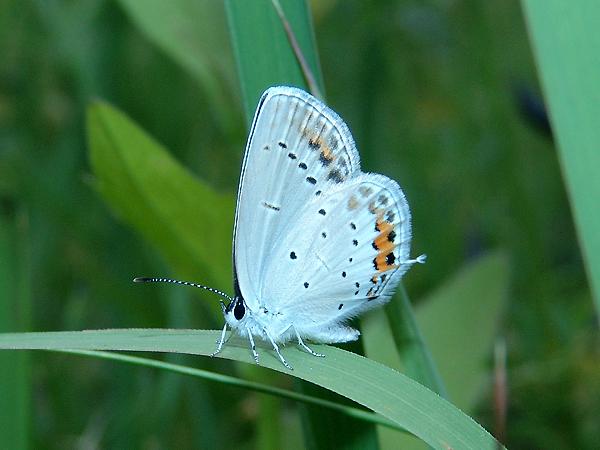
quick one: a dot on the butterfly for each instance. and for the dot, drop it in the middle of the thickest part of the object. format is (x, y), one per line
(316, 241)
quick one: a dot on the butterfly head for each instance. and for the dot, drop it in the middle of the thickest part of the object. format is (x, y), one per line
(236, 311)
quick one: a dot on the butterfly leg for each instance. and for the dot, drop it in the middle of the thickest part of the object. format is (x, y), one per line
(220, 341)
(252, 346)
(306, 347)
(276, 348)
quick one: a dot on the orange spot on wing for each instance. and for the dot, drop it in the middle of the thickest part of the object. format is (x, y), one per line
(326, 152)
(382, 241)
(383, 227)
(317, 143)
(382, 264)
(384, 246)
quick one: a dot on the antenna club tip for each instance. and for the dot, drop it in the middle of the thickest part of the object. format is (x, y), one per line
(142, 279)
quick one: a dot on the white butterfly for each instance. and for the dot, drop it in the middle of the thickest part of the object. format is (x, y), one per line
(316, 241)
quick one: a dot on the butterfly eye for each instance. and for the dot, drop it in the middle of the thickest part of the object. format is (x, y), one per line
(239, 310)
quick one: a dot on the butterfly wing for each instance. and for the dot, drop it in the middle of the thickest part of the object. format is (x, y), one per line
(298, 149)
(345, 254)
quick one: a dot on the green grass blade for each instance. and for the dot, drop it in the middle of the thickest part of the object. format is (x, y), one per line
(241, 383)
(260, 43)
(185, 218)
(265, 57)
(15, 303)
(322, 428)
(262, 51)
(566, 45)
(414, 354)
(379, 388)
(459, 322)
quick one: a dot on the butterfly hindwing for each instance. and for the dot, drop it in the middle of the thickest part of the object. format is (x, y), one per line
(298, 149)
(334, 266)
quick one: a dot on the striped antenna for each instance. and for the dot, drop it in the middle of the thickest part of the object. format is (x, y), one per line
(185, 283)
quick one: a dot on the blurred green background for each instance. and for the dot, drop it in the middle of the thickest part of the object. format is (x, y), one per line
(438, 94)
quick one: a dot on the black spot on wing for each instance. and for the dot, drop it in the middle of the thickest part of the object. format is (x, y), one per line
(322, 212)
(323, 159)
(293, 255)
(292, 155)
(335, 175)
(302, 166)
(390, 258)
(282, 144)
(344, 166)
(311, 180)
(333, 142)
(271, 206)
(306, 284)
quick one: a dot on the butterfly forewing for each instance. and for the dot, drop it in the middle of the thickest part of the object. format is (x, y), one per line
(297, 151)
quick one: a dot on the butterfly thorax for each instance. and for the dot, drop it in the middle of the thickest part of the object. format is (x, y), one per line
(258, 322)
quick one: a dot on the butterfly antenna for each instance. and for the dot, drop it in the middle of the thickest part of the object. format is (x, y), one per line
(184, 283)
